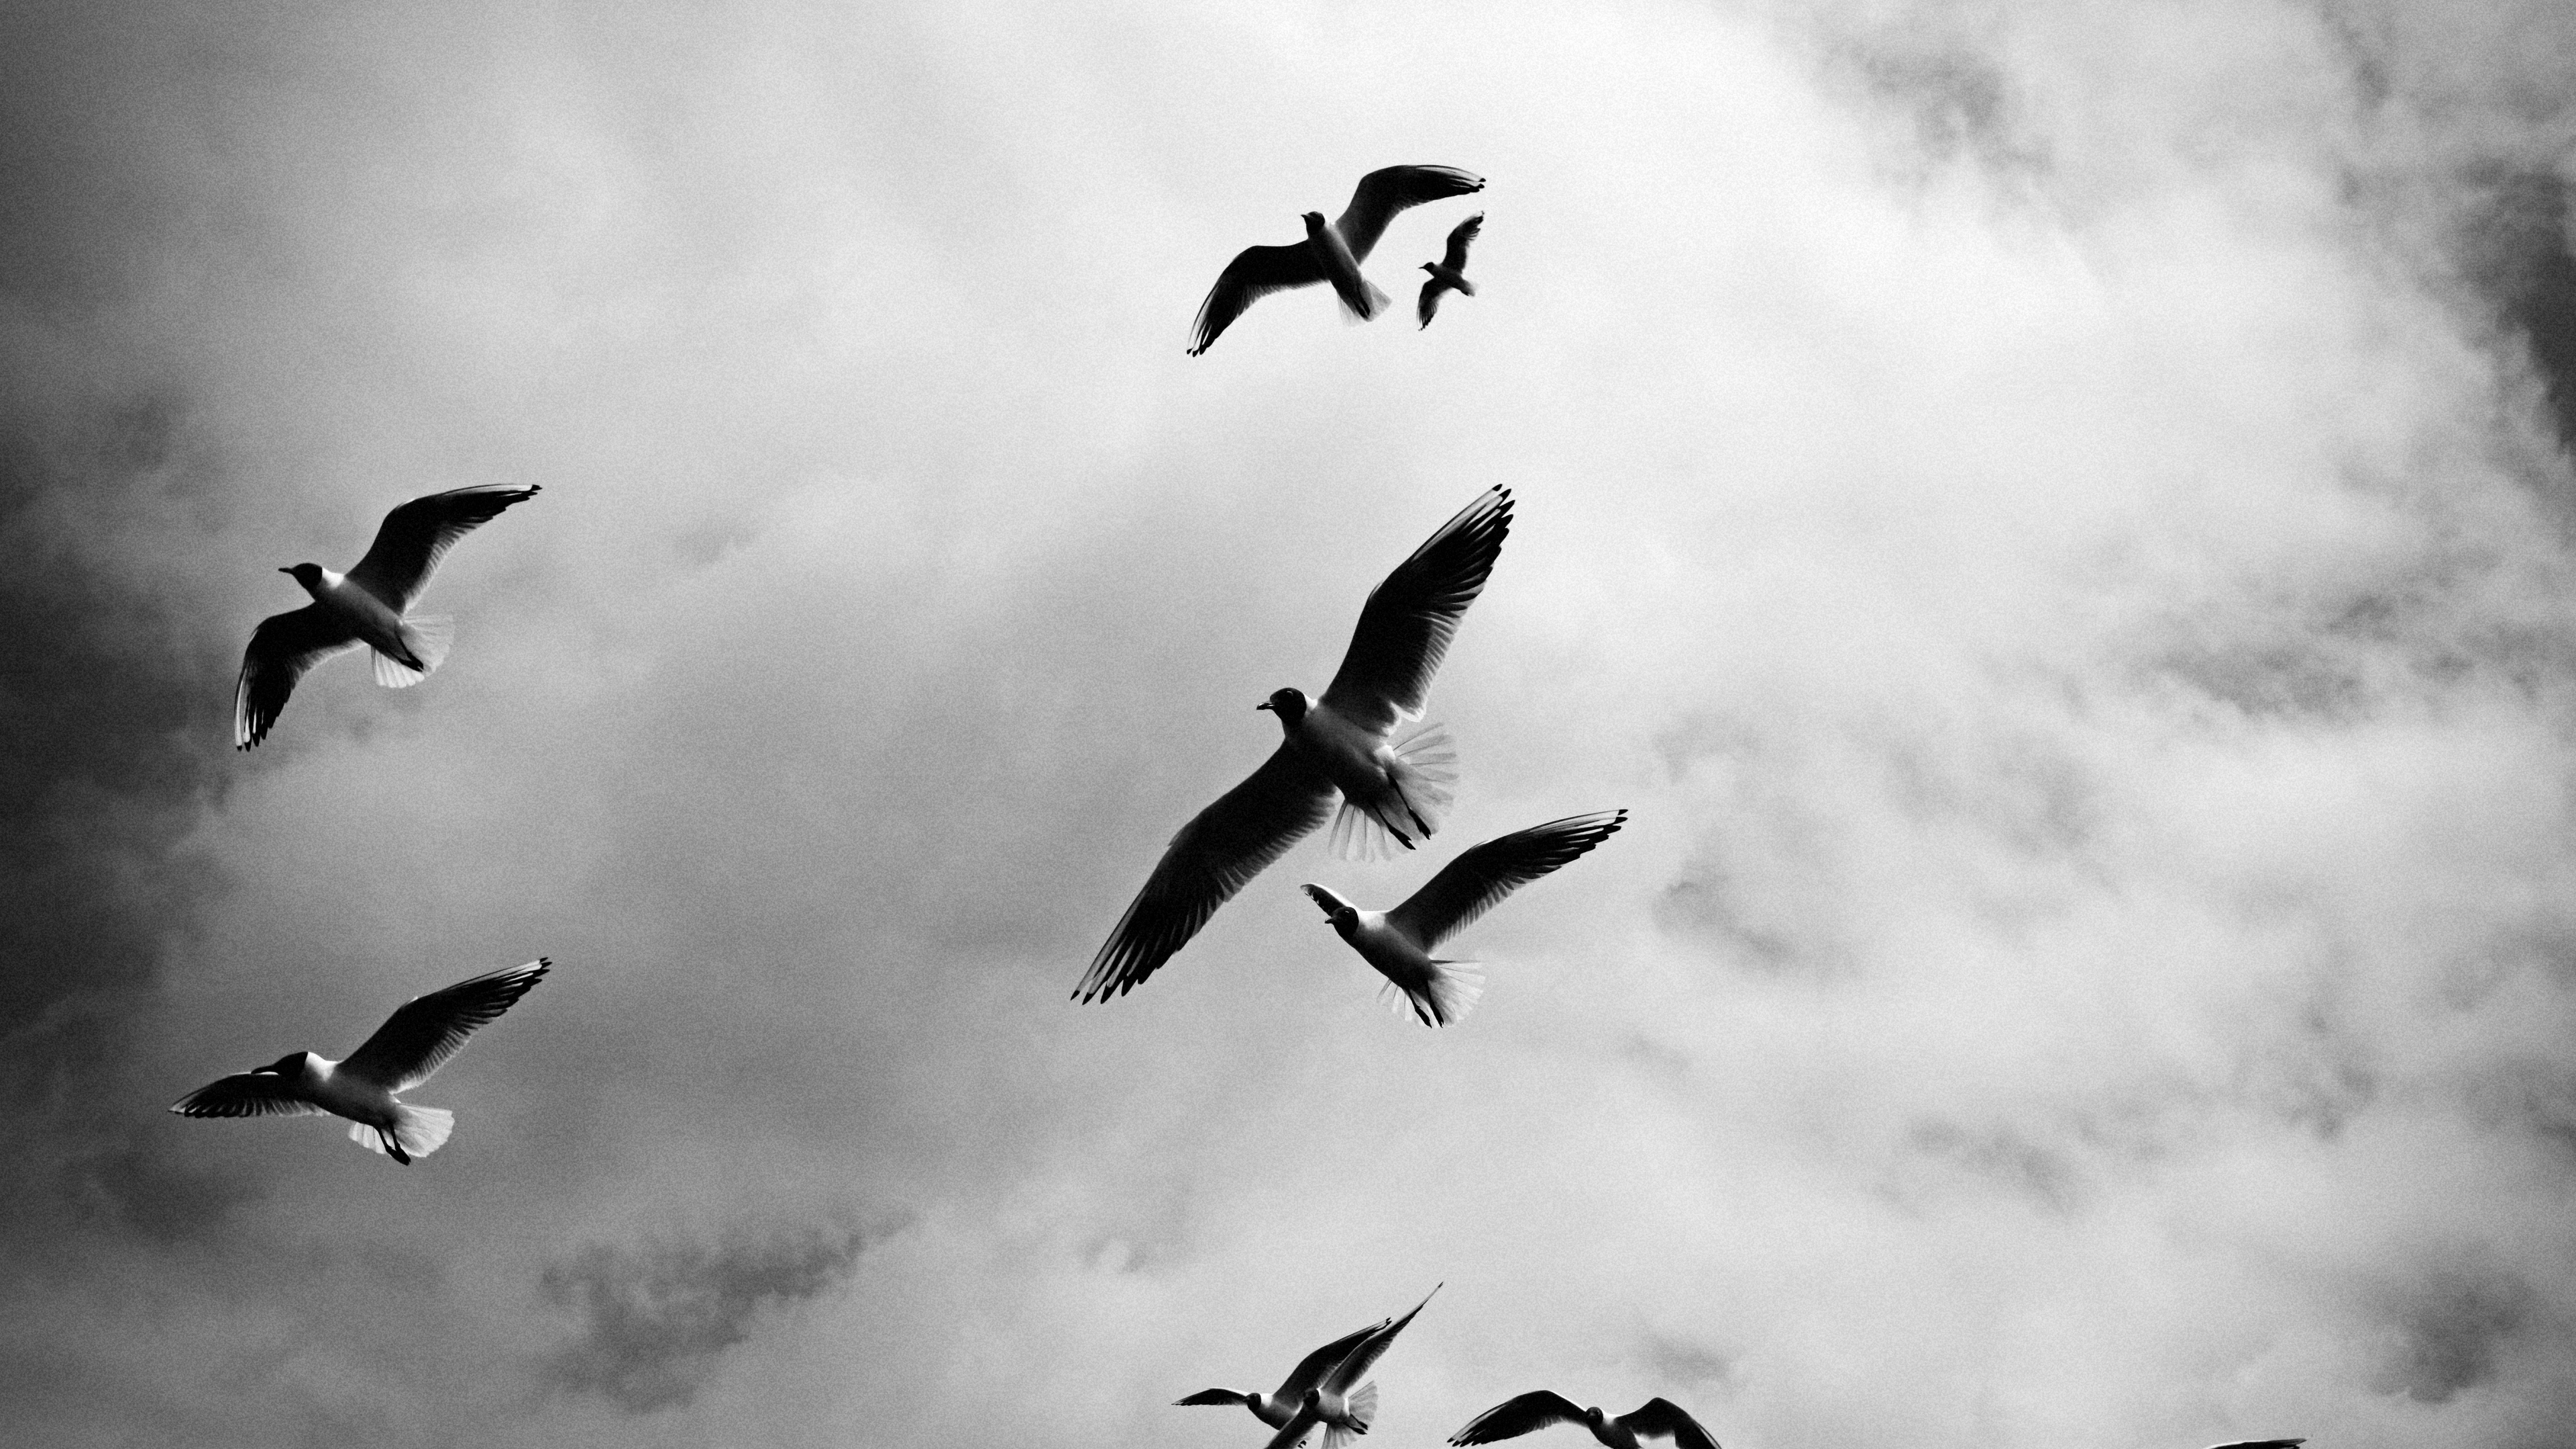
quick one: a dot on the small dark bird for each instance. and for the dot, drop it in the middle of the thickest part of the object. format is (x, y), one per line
(415, 1041)
(1449, 274)
(368, 605)
(1343, 745)
(1654, 1419)
(1318, 1390)
(1398, 943)
(1332, 252)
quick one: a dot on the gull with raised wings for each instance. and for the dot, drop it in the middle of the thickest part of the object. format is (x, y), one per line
(1654, 1419)
(1398, 943)
(415, 1041)
(369, 605)
(1332, 251)
(1343, 745)
(1318, 1390)
(1449, 274)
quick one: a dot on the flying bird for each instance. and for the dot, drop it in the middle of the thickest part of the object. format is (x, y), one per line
(1343, 744)
(1318, 1390)
(1332, 252)
(369, 605)
(1654, 1419)
(1449, 274)
(415, 1041)
(2262, 1444)
(1399, 942)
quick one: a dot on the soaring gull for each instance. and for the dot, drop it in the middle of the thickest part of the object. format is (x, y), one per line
(1449, 274)
(1318, 1390)
(1399, 942)
(415, 1041)
(1654, 1419)
(1332, 252)
(368, 605)
(1343, 744)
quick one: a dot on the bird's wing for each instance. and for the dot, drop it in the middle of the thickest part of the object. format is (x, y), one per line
(1208, 860)
(1469, 886)
(1310, 1370)
(1255, 273)
(418, 534)
(1514, 1417)
(245, 1094)
(1459, 236)
(1383, 193)
(2262, 1444)
(425, 1031)
(1406, 625)
(1664, 1419)
(1294, 1432)
(1365, 1354)
(1215, 1396)
(1428, 305)
(281, 649)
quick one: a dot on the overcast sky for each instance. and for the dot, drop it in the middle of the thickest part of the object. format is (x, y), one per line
(2052, 517)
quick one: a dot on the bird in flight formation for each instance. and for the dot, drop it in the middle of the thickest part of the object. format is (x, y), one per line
(415, 1041)
(1318, 1390)
(369, 605)
(1449, 274)
(1343, 745)
(1398, 943)
(1332, 251)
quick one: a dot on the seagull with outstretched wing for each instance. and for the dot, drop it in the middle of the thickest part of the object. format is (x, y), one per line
(1343, 745)
(1398, 943)
(1449, 274)
(1654, 1419)
(415, 1041)
(1319, 1390)
(369, 605)
(1332, 251)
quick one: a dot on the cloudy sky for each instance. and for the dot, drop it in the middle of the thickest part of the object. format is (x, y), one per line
(2054, 518)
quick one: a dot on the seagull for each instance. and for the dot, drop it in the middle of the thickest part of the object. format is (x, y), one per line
(1399, 942)
(1342, 744)
(2262, 1444)
(1332, 252)
(1318, 1390)
(1654, 1419)
(1449, 274)
(415, 1041)
(367, 605)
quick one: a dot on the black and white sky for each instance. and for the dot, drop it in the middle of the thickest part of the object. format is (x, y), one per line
(2055, 518)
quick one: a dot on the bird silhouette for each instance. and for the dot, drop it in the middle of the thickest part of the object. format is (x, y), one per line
(1654, 1419)
(1332, 251)
(1318, 1390)
(1449, 274)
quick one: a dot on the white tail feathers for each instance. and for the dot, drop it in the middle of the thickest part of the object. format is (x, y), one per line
(419, 1131)
(1425, 773)
(1362, 1405)
(1378, 301)
(1453, 991)
(427, 636)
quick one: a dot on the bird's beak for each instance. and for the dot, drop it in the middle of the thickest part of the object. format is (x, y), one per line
(1265, 704)
(286, 571)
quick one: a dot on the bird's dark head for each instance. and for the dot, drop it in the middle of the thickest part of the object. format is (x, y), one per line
(1314, 1399)
(307, 574)
(1344, 916)
(1433, 270)
(289, 1065)
(1289, 704)
(1314, 223)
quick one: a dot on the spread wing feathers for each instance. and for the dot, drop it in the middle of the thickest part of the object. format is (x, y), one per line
(1215, 1396)
(1209, 859)
(425, 1031)
(1469, 886)
(245, 1094)
(1310, 1370)
(1514, 1417)
(1255, 273)
(1405, 627)
(1460, 236)
(1384, 192)
(1663, 1419)
(416, 535)
(281, 649)
(1427, 306)
(1371, 1347)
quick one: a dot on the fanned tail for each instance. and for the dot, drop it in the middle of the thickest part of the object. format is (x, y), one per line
(1425, 774)
(417, 1132)
(427, 636)
(1453, 991)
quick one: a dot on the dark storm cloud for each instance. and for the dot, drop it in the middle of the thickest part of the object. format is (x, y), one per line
(659, 1316)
